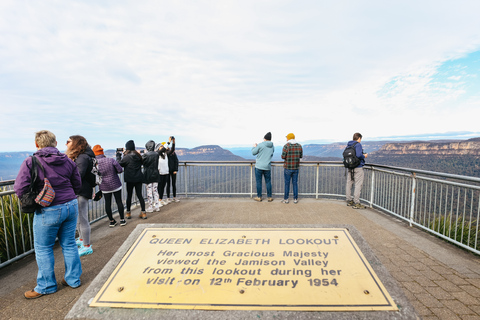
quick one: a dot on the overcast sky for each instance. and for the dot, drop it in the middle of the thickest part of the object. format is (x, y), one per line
(226, 72)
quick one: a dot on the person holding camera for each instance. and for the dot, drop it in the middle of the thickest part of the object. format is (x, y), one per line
(163, 168)
(151, 176)
(173, 169)
(111, 184)
(133, 176)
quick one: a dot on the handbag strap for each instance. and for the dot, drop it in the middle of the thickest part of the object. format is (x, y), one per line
(34, 171)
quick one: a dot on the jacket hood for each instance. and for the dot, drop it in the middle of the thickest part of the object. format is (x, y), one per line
(268, 144)
(150, 145)
(89, 152)
(51, 155)
(351, 143)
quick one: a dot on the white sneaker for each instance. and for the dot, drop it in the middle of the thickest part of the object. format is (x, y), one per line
(176, 200)
(163, 203)
(149, 209)
(169, 200)
(156, 209)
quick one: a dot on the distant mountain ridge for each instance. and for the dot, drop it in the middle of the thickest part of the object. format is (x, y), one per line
(445, 148)
(452, 156)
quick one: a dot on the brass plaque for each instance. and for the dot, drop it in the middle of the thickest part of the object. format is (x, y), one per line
(301, 269)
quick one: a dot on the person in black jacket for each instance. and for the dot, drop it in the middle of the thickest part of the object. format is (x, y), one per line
(133, 176)
(173, 169)
(80, 152)
(151, 176)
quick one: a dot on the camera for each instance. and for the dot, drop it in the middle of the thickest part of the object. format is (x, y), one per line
(119, 149)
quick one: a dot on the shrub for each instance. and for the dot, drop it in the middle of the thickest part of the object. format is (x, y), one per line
(16, 235)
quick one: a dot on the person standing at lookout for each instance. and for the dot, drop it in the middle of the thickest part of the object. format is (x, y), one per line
(133, 176)
(355, 176)
(291, 153)
(263, 165)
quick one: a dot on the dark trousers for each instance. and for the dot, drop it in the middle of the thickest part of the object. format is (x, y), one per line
(108, 204)
(161, 185)
(172, 180)
(138, 191)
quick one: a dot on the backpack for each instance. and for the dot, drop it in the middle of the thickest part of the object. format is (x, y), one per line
(350, 160)
(95, 172)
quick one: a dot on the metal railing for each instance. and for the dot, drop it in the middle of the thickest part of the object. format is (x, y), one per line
(443, 204)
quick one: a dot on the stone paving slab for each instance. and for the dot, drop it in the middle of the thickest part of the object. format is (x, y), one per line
(422, 264)
(83, 311)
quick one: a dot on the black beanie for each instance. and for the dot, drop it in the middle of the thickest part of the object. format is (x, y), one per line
(268, 136)
(130, 145)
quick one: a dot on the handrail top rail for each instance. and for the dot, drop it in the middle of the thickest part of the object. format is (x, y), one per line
(371, 166)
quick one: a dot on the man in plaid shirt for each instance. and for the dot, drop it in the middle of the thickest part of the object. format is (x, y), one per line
(291, 153)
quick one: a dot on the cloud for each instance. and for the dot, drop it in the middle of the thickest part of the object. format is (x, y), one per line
(217, 72)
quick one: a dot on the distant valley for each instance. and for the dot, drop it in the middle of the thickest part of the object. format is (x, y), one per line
(450, 156)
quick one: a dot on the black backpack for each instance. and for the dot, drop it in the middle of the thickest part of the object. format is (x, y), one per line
(350, 160)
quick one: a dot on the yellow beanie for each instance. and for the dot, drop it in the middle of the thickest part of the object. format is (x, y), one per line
(290, 136)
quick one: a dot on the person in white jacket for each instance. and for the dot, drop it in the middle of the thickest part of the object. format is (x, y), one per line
(163, 169)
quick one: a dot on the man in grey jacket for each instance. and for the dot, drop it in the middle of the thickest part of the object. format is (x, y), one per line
(264, 152)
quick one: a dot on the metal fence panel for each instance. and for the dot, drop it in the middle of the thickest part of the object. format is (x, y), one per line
(443, 204)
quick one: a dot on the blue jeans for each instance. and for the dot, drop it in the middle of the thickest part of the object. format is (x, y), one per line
(49, 223)
(291, 175)
(268, 181)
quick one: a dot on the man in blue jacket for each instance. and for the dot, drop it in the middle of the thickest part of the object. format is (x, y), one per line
(355, 176)
(264, 152)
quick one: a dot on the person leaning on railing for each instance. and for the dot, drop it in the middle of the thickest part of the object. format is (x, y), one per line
(57, 220)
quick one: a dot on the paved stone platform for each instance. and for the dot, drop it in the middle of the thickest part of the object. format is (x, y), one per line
(438, 279)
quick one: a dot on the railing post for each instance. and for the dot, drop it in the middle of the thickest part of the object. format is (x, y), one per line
(186, 180)
(412, 205)
(372, 186)
(317, 179)
(251, 180)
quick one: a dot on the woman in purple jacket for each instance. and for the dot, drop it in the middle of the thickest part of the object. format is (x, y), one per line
(57, 220)
(111, 184)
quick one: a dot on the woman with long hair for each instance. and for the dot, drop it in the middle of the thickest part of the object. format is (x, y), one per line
(55, 221)
(133, 176)
(80, 152)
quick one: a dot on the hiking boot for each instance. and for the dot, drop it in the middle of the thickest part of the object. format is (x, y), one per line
(350, 203)
(123, 222)
(32, 294)
(113, 223)
(285, 201)
(83, 251)
(358, 206)
(258, 199)
(270, 199)
(142, 215)
(128, 215)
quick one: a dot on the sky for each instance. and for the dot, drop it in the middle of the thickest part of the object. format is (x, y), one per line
(227, 72)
